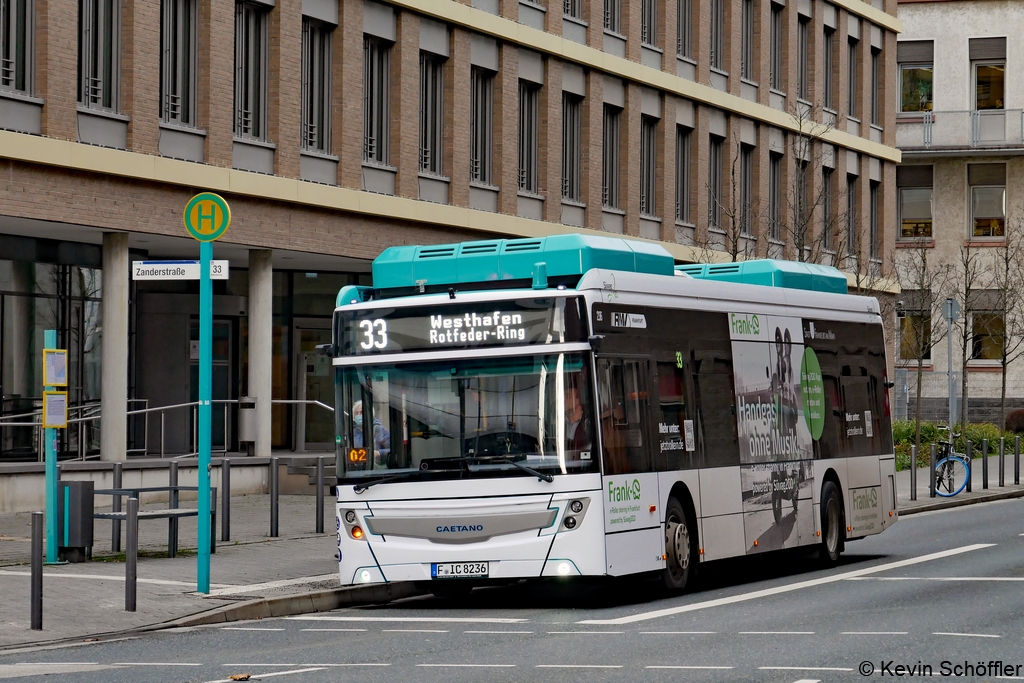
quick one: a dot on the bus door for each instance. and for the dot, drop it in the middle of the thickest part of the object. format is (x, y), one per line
(634, 540)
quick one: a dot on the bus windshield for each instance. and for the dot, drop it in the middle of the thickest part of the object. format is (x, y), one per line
(467, 417)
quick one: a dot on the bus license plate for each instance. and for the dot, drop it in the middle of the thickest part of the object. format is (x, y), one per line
(458, 570)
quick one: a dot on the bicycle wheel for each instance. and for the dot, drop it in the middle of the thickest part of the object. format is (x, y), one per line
(951, 476)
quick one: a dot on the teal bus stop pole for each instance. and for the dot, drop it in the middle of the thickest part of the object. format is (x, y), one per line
(50, 439)
(205, 377)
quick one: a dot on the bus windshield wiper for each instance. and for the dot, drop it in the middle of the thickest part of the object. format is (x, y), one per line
(529, 470)
(359, 488)
(498, 459)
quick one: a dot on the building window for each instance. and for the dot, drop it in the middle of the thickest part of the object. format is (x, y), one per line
(684, 26)
(529, 137)
(915, 335)
(649, 22)
(775, 197)
(250, 71)
(610, 158)
(876, 88)
(988, 199)
(746, 189)
(803, 85)
(481, 125)
(571, 105)
(986, 335)
(376, 100)
(431, 113)
(915, 87)
(715, 183)
(573, 8)
(851, 89)
(775, 40)
(613, 16)
(717, 38)
(828, 50)
(648, 165)
(178, 61)
(802, 208)
(851, 214)
(914, 186)
(16, 32)
(989, 85)
(873, 232)
(827, 218)
(99, 31)
(316, 86)
(682, 174)
(747, 41)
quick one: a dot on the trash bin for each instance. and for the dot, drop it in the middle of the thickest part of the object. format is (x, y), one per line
(74, 520)
(247, 424)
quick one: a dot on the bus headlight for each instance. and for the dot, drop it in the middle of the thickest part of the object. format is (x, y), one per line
(564, 568)
(569, 522)
(576, 506)
(350, 516)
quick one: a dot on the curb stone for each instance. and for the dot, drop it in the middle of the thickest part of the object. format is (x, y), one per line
(960, 502)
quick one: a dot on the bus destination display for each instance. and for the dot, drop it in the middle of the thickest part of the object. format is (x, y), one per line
(466, 326)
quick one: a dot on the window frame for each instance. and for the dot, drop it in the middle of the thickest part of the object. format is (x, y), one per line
(529, 137)
(827, 210)
(648, 166)
(572, 131)
(747, 21)
(931, 209)
(746, 189)
(610, 167)
(376, 100)
(828, 86)
(803, 68)
(716, 154)
(974, 218)
(431, 114)
(853, 54)
(993, 333)
(916, 66)
(99, 59)
(613, 16)
(684, 29)
(908, 337)
(649, 23)
(974, 82)
(775, 197)
(315, 120)
(876, 88)
(684, 138)
(716, 35)
(776, 67)
(17, 46)
(874, 232)
(481, 126)
(573, 9)
(851, 213)
(251, 63)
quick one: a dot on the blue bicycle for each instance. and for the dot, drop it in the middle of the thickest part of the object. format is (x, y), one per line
(952, 469)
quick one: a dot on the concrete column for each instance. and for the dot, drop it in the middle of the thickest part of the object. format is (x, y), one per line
(114, 421)
(261, 332)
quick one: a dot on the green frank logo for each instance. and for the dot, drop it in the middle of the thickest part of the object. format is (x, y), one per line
(623, 492)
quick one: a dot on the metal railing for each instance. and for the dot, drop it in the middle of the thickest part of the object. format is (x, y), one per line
(961, 129)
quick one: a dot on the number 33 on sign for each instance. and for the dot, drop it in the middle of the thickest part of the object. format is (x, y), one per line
(375, 334)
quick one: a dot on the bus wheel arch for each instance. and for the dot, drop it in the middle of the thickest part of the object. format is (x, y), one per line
(833, 518)
(681, 540)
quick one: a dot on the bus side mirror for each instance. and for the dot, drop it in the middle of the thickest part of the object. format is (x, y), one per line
(327, 349)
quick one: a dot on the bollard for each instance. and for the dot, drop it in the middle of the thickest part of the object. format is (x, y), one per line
(37, 571)
(172, 523)
(131, 555)
(984, 463)
(969, 452)
(1002, 462)
(1016, 461)
(931, 473)
(273, 497)
(225, 492)
(320, 494)
(913, 472)
(115, 506)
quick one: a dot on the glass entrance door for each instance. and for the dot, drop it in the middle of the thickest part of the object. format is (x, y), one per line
(314, 424)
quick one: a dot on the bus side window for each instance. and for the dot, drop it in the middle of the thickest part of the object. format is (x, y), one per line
(673, 413)
(624, 403)
(715, 406)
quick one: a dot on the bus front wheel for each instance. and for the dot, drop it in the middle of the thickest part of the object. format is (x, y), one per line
(679, 539)
(831, 524)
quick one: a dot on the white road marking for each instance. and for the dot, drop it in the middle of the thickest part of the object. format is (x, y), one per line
(799, 585)
(808, 680)
(331, 630)
(473, 666)
(105, 577)
(253, 587)
(776, 633)
(260, 677)
(322, 666)
(248, 628)
(802, 668)
(968, 635)
(44, 668)
(582, 633)
(874, 633)
(578, 666)
(500, 632)
(677, 633)
(665, 666)
(447, 620)
(937, 578)
(155, 664)
(411, 630)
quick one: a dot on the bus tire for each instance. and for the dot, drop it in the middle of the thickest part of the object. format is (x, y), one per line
(832, 530)
(679, 539)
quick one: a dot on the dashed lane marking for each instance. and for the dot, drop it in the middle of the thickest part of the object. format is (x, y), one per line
(677, 633)
(248, 628)
(799, 585)
(260, 677)
(333, 630)
(776, 633)
(808, 680)
(500, 632)
(874, 633)
(156, 664)
(680, 666)
(583, 633)
(411, 630)
(322, 666)
(937, 578)
(967, 635)
(578, 666)
(446, 620)
(803, 668)
(471, 666)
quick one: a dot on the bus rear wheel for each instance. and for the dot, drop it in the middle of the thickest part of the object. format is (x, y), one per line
(831, 525)
(679, 538)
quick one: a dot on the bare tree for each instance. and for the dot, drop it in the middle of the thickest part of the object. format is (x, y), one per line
(731, 223)
(1008, 281)
(969, 288)
(924, 284)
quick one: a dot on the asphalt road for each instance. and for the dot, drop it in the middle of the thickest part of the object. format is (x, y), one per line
(939, 587)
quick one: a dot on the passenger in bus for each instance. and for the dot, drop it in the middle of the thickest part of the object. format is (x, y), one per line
(577, 425)
(381, 436)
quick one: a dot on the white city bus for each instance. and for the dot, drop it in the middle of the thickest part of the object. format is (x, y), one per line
(579, 406)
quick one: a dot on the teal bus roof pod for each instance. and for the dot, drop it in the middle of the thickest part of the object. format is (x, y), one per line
(772, 273)
(495, 263)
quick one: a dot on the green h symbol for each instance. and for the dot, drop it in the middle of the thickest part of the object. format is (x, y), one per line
(212, 216)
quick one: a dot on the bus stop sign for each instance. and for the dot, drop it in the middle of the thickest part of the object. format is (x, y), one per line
(207, 217)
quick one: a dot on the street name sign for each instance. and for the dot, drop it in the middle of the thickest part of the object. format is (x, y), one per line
(176, 270)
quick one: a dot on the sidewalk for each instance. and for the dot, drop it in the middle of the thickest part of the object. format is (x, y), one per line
(978, 494)
(80, 600)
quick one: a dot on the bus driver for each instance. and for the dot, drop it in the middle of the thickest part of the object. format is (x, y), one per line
(381, 436)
